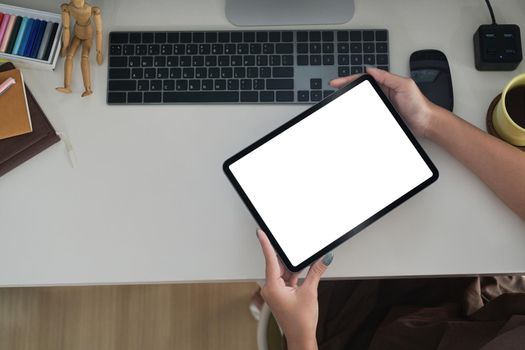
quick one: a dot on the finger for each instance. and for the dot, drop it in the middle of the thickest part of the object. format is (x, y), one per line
(340, 82)
(387, 79)
(273, 271)
(291, 278)
(317, 270)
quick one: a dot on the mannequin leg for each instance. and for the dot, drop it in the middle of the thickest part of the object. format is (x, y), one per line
(68, 66)
(84, 63)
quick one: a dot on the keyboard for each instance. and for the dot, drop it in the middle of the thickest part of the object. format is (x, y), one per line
(237, 66)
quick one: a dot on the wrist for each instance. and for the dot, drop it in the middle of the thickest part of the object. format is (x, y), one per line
(302, 343)
(438, 118)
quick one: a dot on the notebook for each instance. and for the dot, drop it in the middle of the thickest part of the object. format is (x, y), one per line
(16, 150)
(14, 119)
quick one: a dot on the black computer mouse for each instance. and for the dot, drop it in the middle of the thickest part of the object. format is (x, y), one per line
(431, 72)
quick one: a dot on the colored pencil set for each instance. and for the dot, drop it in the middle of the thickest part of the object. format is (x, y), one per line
(27, 37)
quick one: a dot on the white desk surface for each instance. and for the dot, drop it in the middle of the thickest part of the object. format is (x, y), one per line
(147, 200)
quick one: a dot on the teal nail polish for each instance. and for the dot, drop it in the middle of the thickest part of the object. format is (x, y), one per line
(327, 259)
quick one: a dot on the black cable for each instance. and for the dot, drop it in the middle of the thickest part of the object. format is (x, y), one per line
(491, 12)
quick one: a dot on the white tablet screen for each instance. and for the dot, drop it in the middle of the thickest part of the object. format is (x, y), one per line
(331, 171)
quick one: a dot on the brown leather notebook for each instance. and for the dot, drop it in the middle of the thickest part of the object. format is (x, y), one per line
(14, 119)
(16, 150)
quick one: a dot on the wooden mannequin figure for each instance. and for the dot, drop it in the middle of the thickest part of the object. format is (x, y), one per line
(82, 12)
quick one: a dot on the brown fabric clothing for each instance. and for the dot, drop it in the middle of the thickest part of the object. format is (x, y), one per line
(442, 313)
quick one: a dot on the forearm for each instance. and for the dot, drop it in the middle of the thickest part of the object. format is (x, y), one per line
(499, 165)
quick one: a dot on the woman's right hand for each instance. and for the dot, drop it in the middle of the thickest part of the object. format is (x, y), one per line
(404, 94)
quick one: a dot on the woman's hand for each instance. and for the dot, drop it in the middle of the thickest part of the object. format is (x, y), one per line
(294, 306)
(405, 96)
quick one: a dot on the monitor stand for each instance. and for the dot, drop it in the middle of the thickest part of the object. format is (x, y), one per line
(288, 12)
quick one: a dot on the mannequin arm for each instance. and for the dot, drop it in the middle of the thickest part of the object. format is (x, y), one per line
(66, 33)
(98, 26)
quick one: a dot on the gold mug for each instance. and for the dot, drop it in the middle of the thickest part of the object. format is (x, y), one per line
(508, 126)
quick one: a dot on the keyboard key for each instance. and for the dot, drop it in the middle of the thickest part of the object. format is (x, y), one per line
(266, 96)
(122, 85)
(239, 72)
(287, 36)
(369, 59)
(134, 61)
(233, 84)
(268, 49)
(147, 38)
(262, 60)
(368, 35)
(185, 37)
(192, 49)
(381, 35)
(137, 73)
(118, 38)
(229, 49)
(198, 37)
(134, 97)
(181, 85)
(220, 84)
(355, 35)
(128, 50)
(255, 49)
(175, 73)
(224, 61)
(160, 37)
(343, 60)
(246, 84)
(282, 72)
(356, 48)
(156, 85)
(284, 96)
(275, 60)
(159, 61)
(146, 61)
(287, 60)
(302, 36)
(328, 36)
(315, 36)
(152, 97)
(214, 72)
(179, 49)
(328, 48)
(381, 47)
(258, 84)
(168, 85)
(141, 49)
(368, 47)
(265, 72)
(211, 37)
(315, 83)
(173, 38)
(162, 73)
(166, 49)
(343, 71)
(197, 61)
(279, 84)
(315, 60)
(275, 37)
(302, 60)
(143, 85)
(261, 37)
(328, 60)
(249, 37)
(342, 35)
(382, 59)
(316, 95)
(119, 73)
(236, 37)
(188, 73)
(135, 38)
(200, 73)
(303, 96)
(207, 84)
(116, 97)
(208, 96)
(204, 49)
(356, 59)
(153, 49)
(357, 69)
(243, 49)
(249, 96)
(210, 61)
(226, 72)
(248, 60)
(284, 48)
(118, 61)
(194, 85)
(172, 61)
(150, 73)
(302, 48)
(115, 50)
(315, 48)
(224, 37)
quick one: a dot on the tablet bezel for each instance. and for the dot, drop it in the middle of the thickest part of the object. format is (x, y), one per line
(364, 224)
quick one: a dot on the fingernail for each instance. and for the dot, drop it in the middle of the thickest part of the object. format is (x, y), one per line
(327, 259)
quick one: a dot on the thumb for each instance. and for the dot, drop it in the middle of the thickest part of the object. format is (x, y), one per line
(317, 270)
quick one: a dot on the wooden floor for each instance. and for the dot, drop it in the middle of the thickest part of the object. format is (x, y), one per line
(157, 317)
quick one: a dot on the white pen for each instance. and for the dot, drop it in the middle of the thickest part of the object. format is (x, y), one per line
(6, 85)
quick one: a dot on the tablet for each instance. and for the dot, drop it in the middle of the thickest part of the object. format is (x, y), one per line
(328, 173)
